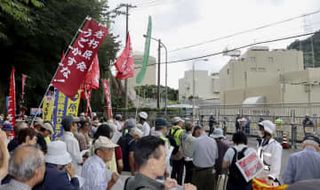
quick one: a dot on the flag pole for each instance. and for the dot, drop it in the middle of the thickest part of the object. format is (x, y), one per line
(73, 39)
(138, 104)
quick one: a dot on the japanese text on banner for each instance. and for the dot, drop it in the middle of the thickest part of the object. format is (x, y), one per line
(75, 64)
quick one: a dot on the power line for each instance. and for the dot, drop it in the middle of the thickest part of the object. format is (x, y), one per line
(238, 48)
(245, 31)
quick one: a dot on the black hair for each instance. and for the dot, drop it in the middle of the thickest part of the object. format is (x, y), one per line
(24, 133)
(146, 148)
(83, 123)
(103, 130)
(239, 138)
(188, 126)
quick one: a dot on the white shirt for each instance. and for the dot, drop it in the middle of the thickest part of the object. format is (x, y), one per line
(145, 129)
(228, 156)
(96, 174)
(72, 147)
(270, 155)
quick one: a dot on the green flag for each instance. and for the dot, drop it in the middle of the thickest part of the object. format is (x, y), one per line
(143, 69)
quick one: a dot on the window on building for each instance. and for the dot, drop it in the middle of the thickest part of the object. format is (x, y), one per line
(228, 71)
(253, 59)
(270, 59)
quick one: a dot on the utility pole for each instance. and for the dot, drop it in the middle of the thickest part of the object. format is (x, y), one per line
(159, 61)
(116, 12)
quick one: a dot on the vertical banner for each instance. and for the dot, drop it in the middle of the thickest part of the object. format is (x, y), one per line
(47, 107)
(75, 64)
(63, 106)
(125, 63)
(12, 99)
(143, 69)
(23, 81)
(107, 97)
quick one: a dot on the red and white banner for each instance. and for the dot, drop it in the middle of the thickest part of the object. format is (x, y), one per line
(23, 81)
(76, 63)
(107, 97)
(12, 99)
(125, 63)
(250, 165)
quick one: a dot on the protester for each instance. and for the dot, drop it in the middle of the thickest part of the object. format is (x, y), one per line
(143, 116)
(222, 149)
(47, 131)
(205, 153)
(136, 135)
(187, 145)
(73, 148)
(118, 122)
(305, 164)
(38, 125)
(4, 155)
(14, 143)
(8, 129)
(83, 135)
(150, 158)
(26, 167)
(239, 150)
(116, 163)
(197, 131)
(124, 143)
(270, 152)
(58, 169)
(177, 159)
(27, 136)
(97, 176)
(160, 130)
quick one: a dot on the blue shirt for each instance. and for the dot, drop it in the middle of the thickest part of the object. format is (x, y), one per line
(302, 165)
(205, 152)
(96, 174)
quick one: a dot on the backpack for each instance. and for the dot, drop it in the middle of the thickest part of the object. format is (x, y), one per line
(173, 141)
(235, 176)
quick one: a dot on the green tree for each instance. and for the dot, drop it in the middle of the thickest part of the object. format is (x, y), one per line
(34, 33)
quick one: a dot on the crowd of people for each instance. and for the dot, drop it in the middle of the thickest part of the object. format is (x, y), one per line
(92, 153)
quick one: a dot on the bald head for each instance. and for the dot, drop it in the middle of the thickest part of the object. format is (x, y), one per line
(26, 163)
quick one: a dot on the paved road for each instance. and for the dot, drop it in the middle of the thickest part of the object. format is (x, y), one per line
(251, 142)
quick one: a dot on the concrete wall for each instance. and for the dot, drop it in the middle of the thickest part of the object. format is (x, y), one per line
(205, 85)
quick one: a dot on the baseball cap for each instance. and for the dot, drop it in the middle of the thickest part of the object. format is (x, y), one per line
(177, 119)
(161, 122)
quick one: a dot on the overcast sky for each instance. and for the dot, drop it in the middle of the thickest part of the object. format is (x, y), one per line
(181, 23)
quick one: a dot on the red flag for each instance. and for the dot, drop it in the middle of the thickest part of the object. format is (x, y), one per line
(12, 99)
(125, 63)
(74, 66)
(106, 89)
(23, 80)
(92, 78)
(93, 75)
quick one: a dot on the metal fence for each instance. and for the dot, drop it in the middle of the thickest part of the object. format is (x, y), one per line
(291, 114)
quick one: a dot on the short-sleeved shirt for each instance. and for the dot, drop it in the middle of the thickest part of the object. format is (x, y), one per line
(205, 152)
(230, 152)
(96, 174)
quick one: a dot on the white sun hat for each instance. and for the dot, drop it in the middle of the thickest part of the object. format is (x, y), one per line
(57, 153)
(143, 115)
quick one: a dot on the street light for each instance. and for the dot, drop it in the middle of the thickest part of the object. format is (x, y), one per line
(194, 86)
(161, 44)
